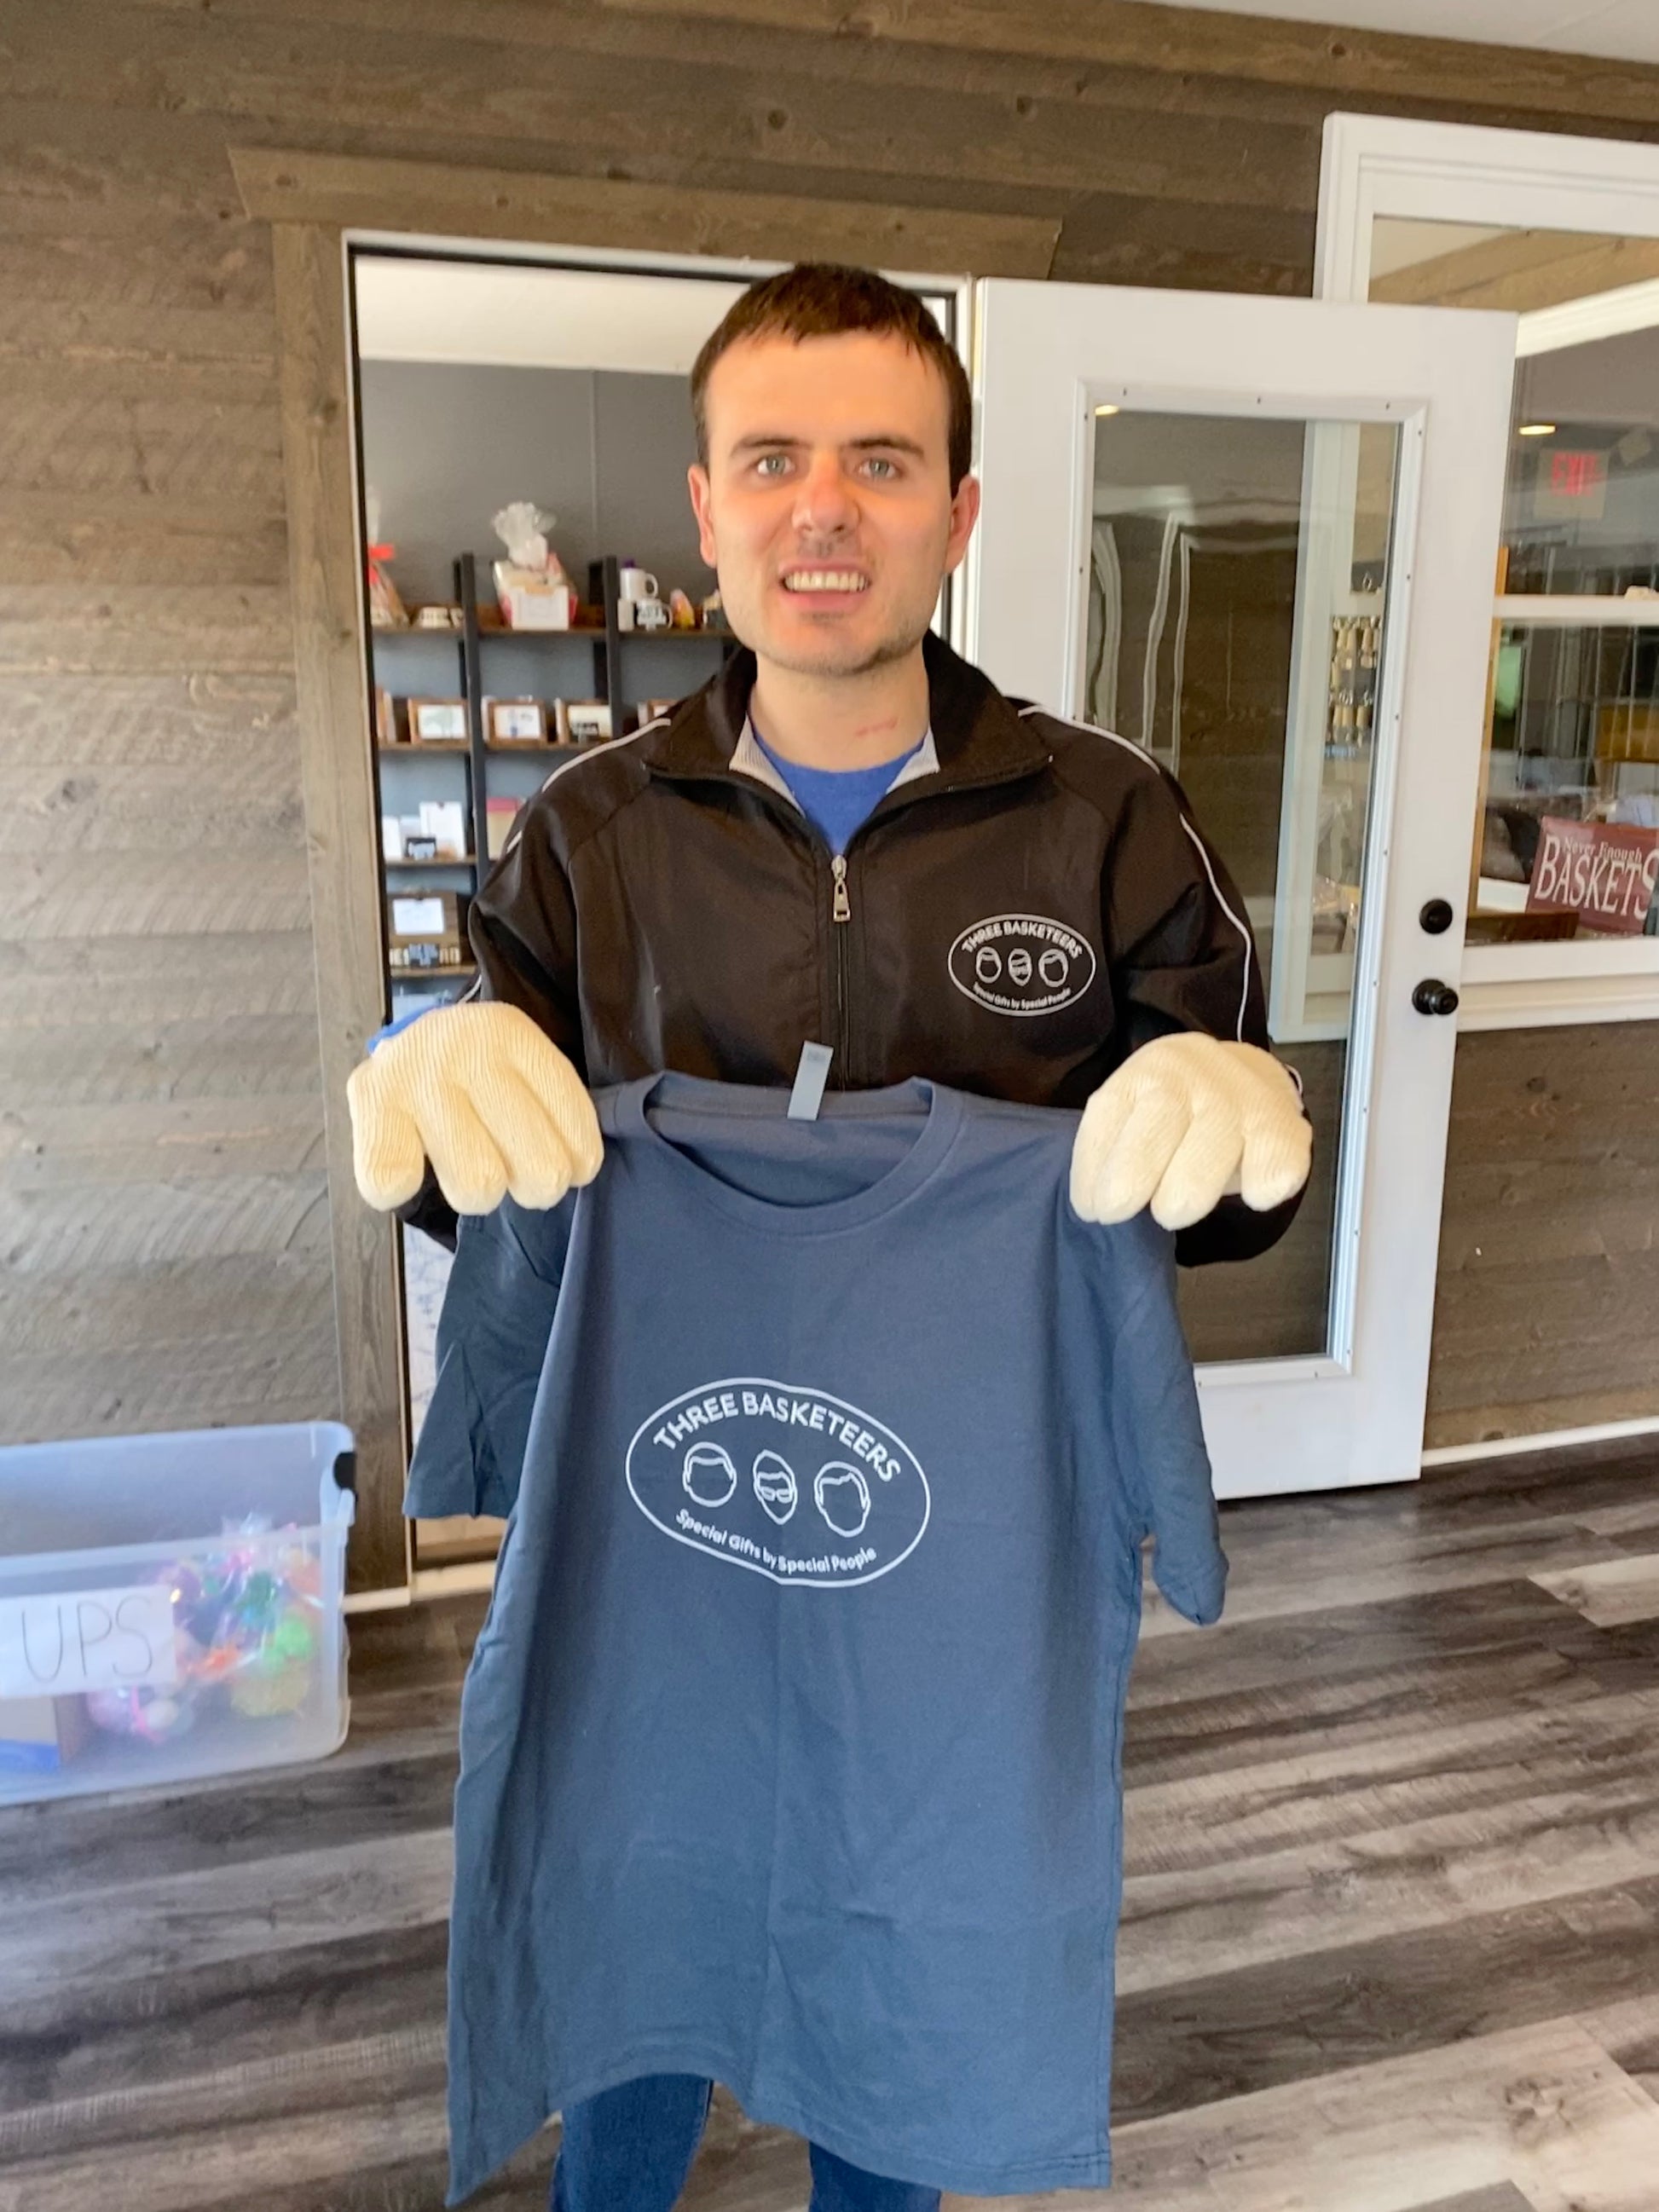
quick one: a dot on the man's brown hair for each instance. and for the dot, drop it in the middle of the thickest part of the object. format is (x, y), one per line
(820, 299)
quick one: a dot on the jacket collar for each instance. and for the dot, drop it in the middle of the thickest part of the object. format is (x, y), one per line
(749, 758)
(976, 735)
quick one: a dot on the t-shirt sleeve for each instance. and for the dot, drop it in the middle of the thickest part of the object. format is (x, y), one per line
(1157, 1432)
(493, 1332)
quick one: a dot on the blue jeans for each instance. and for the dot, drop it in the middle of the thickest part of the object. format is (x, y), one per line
(630, 2148)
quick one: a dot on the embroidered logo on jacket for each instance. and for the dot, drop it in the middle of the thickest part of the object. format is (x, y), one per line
(1022, 964)
(779, 1476)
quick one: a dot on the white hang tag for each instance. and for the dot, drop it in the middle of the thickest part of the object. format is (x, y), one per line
(811, 1075)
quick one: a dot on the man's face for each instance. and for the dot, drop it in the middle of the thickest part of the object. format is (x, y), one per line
(826, 506)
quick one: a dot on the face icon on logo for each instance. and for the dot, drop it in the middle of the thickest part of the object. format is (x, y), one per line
(775, 1486)
(1022, 964)
(843, 1495)
(709, 1474)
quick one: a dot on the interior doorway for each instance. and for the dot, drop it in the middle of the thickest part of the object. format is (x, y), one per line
(485, 386)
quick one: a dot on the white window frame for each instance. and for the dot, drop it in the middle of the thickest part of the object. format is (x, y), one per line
(1377, 165)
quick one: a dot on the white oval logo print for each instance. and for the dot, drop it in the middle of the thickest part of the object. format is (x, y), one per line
(781, 1477)
(1022, 964)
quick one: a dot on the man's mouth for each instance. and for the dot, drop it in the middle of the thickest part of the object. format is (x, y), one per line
(847, 580)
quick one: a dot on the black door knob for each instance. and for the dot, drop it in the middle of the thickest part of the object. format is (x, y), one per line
(1436, 917)
(1433, 997)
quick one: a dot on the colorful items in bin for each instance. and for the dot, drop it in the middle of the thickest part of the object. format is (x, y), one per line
(246, 1621)
(154, 1712)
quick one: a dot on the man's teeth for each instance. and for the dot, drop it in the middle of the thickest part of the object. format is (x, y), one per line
(823, 580)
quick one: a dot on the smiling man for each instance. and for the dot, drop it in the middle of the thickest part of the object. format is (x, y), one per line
(849, 836)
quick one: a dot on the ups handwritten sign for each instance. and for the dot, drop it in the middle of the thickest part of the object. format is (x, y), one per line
(70, 1640)
(1602, 871)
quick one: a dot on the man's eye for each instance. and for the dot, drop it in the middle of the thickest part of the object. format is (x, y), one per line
(878, 462)
(766, 459)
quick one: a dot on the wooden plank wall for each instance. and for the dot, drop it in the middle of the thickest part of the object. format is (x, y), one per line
(163, 1220)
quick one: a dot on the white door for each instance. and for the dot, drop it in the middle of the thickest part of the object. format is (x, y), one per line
(1257, 536)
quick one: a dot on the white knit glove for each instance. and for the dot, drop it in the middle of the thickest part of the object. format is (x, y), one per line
(485, 1095)
(1186, 1122)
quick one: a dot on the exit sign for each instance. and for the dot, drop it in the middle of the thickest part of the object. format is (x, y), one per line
(1572, 484)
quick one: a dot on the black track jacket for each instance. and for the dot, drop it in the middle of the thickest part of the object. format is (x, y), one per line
(1030, 903)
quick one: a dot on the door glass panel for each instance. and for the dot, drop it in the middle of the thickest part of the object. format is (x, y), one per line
(1568, 835)
(1236, 580)
(1570, 819)
(1581, 506)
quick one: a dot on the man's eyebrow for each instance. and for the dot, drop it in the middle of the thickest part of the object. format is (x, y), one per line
(890, 443)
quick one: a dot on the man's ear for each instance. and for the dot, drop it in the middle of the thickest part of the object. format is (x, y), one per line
(964, 513)
(697, 477)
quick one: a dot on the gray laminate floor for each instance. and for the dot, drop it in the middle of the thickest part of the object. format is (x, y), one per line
(1390, 1939)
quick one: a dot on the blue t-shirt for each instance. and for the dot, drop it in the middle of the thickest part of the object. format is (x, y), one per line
(836, 801)
(791, 1749)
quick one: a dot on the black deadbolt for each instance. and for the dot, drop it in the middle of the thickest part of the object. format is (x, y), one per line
(1436, 917)
(1433, 997)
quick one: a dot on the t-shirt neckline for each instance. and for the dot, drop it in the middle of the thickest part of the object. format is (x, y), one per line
(730, 1102)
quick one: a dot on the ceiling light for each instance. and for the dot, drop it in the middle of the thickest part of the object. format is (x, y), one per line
(1109, 411)
(1535, 431)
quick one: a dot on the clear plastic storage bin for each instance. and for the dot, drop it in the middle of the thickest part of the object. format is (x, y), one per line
(171, 1606)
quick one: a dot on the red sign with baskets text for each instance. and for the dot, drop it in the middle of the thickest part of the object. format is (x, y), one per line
(1602, 871)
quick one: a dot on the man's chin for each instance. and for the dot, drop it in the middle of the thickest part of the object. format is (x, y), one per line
(835, 656)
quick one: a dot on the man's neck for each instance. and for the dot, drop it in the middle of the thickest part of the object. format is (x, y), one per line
(842, 722)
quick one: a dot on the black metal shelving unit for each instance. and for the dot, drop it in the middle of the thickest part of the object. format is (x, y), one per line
(608, 642)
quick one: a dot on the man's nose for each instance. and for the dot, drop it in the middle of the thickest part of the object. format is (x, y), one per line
(824, 502)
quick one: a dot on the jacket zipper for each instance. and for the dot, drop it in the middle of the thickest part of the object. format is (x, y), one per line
(841, 913)
(840, 905)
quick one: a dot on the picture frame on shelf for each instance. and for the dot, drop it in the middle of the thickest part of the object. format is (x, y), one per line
(582, 721)
(426, 929)
(436, 721)
(444, 821)
(515, 722)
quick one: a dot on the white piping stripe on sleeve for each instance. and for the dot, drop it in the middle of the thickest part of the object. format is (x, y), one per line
(1094, 730)
(592, 752)
(565, 767)
(1249, 946)
(1129, 746)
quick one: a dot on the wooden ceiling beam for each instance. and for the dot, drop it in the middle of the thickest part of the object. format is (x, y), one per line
(1332, 59)
(1522, 270)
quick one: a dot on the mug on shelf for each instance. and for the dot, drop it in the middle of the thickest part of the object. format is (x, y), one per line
(637, 583)
(650, 614)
